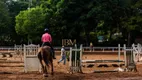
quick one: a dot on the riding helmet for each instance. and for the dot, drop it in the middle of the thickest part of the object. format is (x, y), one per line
(46, 30)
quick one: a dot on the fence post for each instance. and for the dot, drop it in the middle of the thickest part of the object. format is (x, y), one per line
(70, 65)
(25, 62)
(119, 54)
(125, 55)
(81, 58)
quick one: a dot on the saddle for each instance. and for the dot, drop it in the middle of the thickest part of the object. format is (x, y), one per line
(51, 49)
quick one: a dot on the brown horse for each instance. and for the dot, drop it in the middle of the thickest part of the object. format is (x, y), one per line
(46, 59)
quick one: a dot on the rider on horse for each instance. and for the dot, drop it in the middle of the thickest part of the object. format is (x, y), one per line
(47, 40)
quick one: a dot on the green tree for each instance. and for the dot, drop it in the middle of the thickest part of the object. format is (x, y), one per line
(132, 20)
(4, 22)
(14, 7)
(30, 23)
(83, 20)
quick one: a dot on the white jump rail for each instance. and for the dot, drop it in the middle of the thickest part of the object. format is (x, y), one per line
(119, 50)
(6, 49)
(103, 49)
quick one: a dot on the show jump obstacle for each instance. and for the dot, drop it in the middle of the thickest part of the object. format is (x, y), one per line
(75, 59)
(31, 62)
(131, 56)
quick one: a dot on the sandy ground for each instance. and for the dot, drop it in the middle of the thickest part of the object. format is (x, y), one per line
(61, 71)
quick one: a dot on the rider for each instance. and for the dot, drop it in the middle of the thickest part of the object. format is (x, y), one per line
(47, 40)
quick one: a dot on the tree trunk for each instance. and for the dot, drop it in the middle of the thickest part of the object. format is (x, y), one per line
(129, 39)
(110, 36)
(87, 38)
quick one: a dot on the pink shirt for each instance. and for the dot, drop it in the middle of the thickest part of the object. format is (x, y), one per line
(46, 38)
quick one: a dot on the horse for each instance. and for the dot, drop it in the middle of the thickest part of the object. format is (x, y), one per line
(46, 59)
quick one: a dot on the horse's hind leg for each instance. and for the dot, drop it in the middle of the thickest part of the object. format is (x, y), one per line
(40, 60)
(45, 73)
(52, 70)
(46, 65)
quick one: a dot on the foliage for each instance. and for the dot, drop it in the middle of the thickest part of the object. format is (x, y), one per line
(4, 18)
(83, 20)
(4, 22)
(31, 22)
